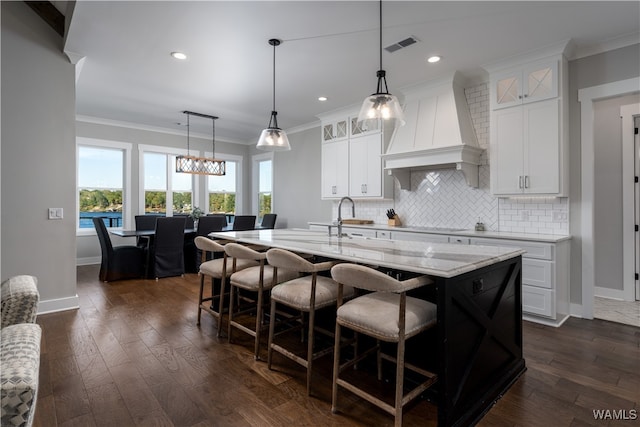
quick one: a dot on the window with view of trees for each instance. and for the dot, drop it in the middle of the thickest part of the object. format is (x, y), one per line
(265, 180)
(164, 187)
(222, 190)
(100, 185)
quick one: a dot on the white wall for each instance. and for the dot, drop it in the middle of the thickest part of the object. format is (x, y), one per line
(612, 66)
(296, 188)
(608, 191)
(38, 152)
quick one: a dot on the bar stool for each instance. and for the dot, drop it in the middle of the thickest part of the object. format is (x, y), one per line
(216, 269)
(386, 314)
(305, 294)
(258, 280)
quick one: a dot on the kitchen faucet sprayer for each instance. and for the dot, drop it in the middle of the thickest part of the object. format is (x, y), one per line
(353, 213)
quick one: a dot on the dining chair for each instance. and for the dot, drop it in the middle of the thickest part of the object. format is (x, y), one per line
(305, 294)
(218, 270)
(244, 222)
(386, 314)
(145, 222)
(257, 281)
(120, 262)
(168, 247)
(268, 221)
(210, 223)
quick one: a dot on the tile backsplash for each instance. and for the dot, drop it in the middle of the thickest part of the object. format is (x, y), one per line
(443, 199)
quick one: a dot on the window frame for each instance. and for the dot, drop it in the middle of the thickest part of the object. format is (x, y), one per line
(255, 185)
(239, 160)
(127, 210)
(168, 151)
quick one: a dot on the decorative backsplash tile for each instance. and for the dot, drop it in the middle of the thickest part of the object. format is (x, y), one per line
(443, 199)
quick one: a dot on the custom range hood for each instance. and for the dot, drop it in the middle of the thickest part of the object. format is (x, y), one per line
(438, 133)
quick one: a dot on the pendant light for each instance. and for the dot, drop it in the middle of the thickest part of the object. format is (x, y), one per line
(201, 165)
(381, 104)
(273, 138)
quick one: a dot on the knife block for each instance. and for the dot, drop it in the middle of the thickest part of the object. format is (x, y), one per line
(394, 222)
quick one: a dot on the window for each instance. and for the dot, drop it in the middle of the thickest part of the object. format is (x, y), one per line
(222, 190)
(263, 182)
(164, 191)
(102, 182)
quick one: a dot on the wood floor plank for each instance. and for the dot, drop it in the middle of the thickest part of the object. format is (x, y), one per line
(132, 355)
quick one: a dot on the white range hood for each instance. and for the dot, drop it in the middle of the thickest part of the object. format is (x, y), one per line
(438, 133)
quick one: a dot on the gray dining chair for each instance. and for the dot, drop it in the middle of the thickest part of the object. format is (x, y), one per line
(168, 247)
(244, 222)
(120, 262)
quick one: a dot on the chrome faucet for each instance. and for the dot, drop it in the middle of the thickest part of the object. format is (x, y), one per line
(353, 213)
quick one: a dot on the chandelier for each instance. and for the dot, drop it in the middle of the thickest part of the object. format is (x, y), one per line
(201, 165)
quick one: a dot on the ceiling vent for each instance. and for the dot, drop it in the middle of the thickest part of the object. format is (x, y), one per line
(402, 43)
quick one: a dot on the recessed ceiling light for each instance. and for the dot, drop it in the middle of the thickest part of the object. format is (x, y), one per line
(178, 55)
(322, 98)
(433, 59)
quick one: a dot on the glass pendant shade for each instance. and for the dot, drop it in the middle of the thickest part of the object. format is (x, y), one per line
(381, 104)
(273, 138)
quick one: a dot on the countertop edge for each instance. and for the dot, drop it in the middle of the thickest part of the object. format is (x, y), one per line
(505, 235)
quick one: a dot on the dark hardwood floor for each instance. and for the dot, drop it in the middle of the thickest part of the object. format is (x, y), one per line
(133, 355)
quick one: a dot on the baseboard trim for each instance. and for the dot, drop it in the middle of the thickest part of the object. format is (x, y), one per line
(608, 293)
(58, 304)
(549, 322)
(575, 310)
(88, 261)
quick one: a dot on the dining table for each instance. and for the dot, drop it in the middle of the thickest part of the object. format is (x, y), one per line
(477, 348)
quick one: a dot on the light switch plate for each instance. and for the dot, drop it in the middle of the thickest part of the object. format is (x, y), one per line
(55, 213)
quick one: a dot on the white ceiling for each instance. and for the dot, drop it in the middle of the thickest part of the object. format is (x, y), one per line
(329, 48)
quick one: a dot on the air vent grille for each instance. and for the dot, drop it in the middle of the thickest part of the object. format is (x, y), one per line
(401, 44)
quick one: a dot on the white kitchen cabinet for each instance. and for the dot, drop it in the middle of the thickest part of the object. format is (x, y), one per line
(523, 84)
(365, 166)
(545, 278)
(335, 169)
(363, 127)
(419, 237)
(529, 130)
(359, 232)
(526, 150)
(335, 130)
(351, 158)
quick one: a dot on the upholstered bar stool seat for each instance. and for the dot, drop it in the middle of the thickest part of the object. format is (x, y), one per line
(306, 295)
(386, 314)
(258, 280)
(219, 270)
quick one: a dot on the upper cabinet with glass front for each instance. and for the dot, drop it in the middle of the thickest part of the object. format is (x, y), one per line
(520, 85)
(335, 130)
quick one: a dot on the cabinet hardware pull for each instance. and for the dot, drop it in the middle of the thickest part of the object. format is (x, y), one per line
(526, 181)
(526, 95)
(520, 181)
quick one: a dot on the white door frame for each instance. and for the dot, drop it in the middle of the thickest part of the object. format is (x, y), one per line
(628, 113)
(587, 97)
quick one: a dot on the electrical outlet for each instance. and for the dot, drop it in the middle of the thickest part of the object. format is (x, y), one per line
(524, 215)
(559, 216)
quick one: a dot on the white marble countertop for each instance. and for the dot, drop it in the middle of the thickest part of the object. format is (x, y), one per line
(549, 238)
(436, 259)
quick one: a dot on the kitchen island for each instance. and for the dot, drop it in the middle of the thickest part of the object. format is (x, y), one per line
(477, 350)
